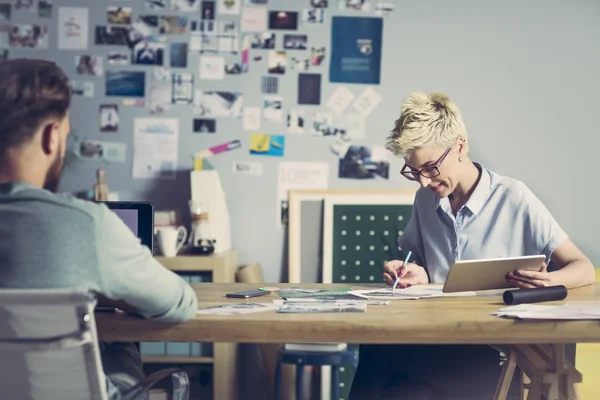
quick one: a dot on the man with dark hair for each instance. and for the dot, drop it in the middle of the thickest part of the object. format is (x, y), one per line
(58, 241)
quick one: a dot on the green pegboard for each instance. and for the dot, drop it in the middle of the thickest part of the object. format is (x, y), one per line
(364, 237)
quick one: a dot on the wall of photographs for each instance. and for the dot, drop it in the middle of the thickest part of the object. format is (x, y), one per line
(284, 94)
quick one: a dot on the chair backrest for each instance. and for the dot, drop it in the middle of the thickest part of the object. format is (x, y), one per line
(48, 346)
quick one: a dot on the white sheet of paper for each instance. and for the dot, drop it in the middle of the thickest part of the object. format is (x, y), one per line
(229, 6)
(155, 147)
(212, 67)
(237, 308)
(340, 99)
(73, 27)
(355, 126)
(254, 19)
(411, 293)
(367, 101)
(247, 168)
(251, 118)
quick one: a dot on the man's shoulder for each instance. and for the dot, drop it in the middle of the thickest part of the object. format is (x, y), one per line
(55, 203)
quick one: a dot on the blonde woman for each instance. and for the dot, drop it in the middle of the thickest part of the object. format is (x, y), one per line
(462, 211)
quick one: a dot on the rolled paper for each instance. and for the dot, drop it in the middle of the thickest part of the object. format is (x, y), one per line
(535, 295)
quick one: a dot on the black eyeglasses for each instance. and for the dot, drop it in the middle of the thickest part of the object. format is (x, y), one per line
(430, 171)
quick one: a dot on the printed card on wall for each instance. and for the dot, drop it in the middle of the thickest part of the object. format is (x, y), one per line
(309, 89)
(73, 27)
(295, 121)
(298, 175)
(367, 101)
(254, 19)
(161, 91)
(340, 99)
(218, 103)
(247, 168)
(101, 150)
(212, 67)
(109, 118)
(251, 119)
(362, 162)
(155, 147)
(356, 50)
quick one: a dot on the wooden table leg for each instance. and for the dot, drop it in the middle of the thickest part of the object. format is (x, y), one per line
(552, 377)
(224, 371)
(508, 371)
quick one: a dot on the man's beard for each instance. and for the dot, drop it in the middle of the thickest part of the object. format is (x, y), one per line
(54, 172)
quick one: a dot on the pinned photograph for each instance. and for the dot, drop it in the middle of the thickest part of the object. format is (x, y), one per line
(155, 4)
(5, 12)
(256, 2)
(362, 162)
(160, 91)
(313, 15)
(264, 40)
(148, 52)
(283, 20)
(230, 7)
(204, 125)
(254, 19)
(117, 15)
(384, 8)
(322, 124)
(218, 37)
(84, 89)
(112, 36)
(295, 42)
(44, 9)
(319, 3)
(182, 88)
(144, 24)
(117, 58)
(233, 69)
(299, 64)
(208, 9)
(277, 62)
(29, 36)
(179, 55)
(267, 145)
(317, 55)
(125, 83)
(4, 31)
(269, 85)
(89, 65)
(24, 5)
(219, 104)
(109, 118)
(354, 5)
(247, 168)
(309, 89)
(172, 25)
(273, 108)
(3, 55)
(185, 5)
(295, 121)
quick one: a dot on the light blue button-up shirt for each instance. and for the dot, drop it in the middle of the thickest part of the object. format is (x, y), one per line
(502, 218)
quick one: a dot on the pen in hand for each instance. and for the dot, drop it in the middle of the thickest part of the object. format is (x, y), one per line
(398, 277)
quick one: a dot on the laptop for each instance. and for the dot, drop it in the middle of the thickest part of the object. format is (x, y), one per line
(138, 216)
(486, 274)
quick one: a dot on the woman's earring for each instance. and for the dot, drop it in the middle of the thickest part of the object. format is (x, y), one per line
(459, 159)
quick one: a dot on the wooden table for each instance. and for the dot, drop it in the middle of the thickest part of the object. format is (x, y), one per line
(537, 347)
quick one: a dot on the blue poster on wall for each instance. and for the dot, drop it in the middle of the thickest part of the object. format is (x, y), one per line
(355, 50)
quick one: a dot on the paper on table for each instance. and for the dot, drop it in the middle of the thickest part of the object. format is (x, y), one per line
(237, 308)
(412, 293)
(569, 311)
(316, 307)
(337, 301)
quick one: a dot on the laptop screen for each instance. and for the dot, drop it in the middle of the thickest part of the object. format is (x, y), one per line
(138, 216)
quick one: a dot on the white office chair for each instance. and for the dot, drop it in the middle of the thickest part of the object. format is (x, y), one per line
(49, 349)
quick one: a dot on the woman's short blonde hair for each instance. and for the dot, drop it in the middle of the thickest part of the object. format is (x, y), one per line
(426, 120)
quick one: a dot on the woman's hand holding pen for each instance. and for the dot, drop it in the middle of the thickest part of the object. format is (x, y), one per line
(525, 279)
(410, 274)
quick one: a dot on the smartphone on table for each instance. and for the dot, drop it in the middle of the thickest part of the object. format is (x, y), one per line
(248, 293)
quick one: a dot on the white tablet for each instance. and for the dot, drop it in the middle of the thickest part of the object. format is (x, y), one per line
(473, 275)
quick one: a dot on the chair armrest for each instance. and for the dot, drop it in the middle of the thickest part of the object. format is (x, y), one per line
(181, 384)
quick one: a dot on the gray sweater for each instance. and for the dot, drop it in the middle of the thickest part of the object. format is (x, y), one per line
(52, 240)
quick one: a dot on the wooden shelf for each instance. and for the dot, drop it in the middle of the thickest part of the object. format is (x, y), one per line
(177, 360)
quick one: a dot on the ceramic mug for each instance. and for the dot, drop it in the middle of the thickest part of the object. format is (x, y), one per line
(171, 239)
